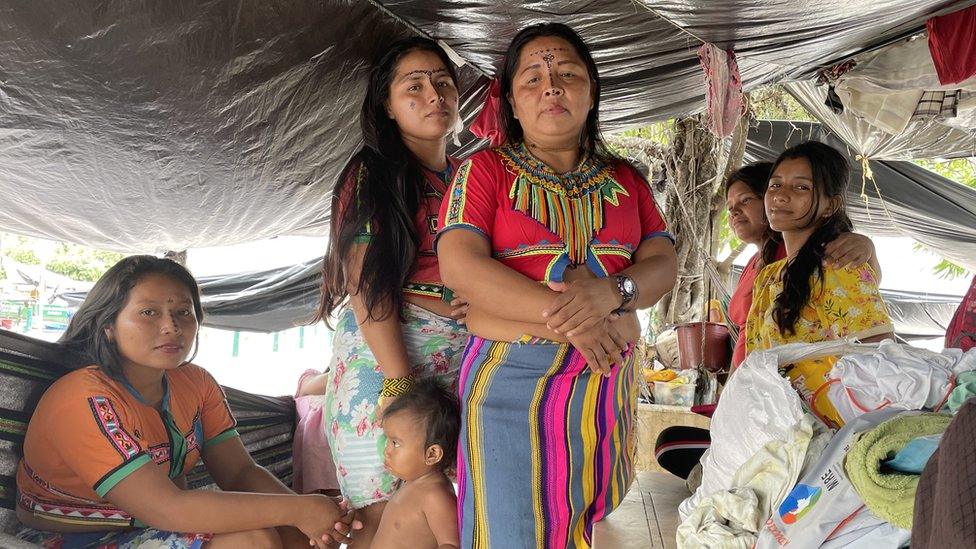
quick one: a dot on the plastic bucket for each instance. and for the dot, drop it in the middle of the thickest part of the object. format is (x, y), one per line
(714, 354)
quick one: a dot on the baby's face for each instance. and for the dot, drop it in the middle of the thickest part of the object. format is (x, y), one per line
(405, 439)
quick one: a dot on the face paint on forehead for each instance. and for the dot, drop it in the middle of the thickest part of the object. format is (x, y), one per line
(548, 56)
(428, 72)
(548, 52)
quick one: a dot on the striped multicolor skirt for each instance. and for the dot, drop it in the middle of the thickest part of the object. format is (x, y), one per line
(546, 446)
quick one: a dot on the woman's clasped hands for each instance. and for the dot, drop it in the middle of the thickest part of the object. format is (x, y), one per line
(585, 313)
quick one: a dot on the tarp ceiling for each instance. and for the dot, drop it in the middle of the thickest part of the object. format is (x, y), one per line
(168, 124)
(278, 299)
(922, 139)
(913, 201)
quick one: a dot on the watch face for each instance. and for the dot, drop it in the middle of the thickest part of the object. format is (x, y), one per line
(629, 286)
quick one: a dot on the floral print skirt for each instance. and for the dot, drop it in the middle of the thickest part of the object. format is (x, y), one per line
(434, 345)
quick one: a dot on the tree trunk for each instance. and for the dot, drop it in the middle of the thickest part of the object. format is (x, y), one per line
(733, 161)
(696, 165)
(692, 169)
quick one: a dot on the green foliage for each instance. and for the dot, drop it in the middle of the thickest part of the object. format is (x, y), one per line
(945, 268)
(960, 170)
(775, 103)
(76, 270)
(72, 260)
(658, 132)
(82, 263)
(19, 249)
(23, 255)
(949, 270)
(726, 236)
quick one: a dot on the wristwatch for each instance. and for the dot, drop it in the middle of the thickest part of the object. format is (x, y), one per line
(628, 290)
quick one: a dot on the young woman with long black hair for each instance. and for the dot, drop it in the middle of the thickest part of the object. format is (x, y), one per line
(799, 299)
(396, 319)
(109, 446)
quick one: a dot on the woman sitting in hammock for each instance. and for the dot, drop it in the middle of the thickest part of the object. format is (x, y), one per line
(108, 447)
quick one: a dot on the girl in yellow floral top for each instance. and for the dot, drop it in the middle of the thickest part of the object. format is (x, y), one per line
(798, 299)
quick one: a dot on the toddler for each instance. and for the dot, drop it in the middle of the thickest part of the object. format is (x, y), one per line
(422, 429)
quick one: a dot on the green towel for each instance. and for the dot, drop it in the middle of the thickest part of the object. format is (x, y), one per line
(965, 389)
(889, 494)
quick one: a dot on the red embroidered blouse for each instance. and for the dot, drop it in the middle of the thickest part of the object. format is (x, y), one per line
(539, 222)
(425, 276)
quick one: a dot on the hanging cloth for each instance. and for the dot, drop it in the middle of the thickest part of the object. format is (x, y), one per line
(486, 125)
(952, 43)
(962, 329)
(723, 97)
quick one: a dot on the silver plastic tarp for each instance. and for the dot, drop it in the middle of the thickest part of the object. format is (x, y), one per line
(277, 299)
(170, 124)
(147, 125)
(901, 199)
(922, 139)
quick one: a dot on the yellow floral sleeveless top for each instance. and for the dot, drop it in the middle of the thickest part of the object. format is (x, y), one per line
(845, 304)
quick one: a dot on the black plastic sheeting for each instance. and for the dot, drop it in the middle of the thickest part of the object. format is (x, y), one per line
(153, 125)
(919, 315)
(913, 201)
(150, 125)
(265, 301)
(261, 301)
(279, 299)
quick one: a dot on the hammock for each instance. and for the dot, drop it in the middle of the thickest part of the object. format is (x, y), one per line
(29, 366)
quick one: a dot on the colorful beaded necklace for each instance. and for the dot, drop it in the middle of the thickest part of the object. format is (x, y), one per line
(571, 204)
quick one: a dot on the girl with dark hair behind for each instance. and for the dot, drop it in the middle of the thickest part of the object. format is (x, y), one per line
(744, 191)
(396, 319)
(679, 449)
(109, 445)
(555, 242)
(799, 299)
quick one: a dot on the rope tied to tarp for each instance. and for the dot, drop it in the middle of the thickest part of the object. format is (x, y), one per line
(866, 175)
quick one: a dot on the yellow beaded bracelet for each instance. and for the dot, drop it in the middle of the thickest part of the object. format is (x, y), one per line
(396, 386)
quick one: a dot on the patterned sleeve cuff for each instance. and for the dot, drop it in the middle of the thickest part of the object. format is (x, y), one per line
(466, 226)
(229, 433)
(116, 475)
(656, 234)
